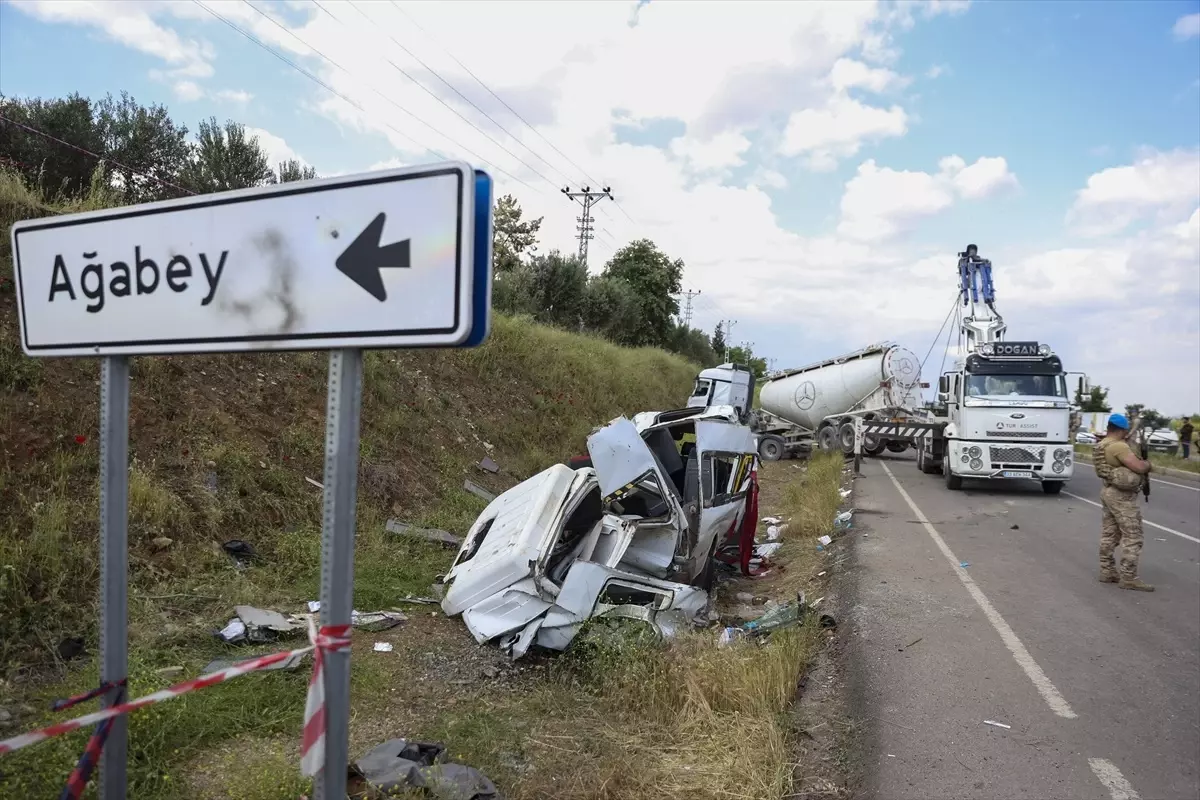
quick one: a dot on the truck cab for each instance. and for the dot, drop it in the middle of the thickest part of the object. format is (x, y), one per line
(725, 385)
(1008, 417)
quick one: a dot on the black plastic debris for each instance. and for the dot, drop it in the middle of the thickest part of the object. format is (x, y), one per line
(399, 764)
(428, 534)
(241, 552)
(71, 647)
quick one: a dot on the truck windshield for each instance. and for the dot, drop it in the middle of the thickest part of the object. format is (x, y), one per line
(701, 389)
(1010, 385)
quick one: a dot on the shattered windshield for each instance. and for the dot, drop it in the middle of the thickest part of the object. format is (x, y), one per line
(1015, 386)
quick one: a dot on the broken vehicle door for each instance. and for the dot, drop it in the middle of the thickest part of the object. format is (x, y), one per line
(726, 455)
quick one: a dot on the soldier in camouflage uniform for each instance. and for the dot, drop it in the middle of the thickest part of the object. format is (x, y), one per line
(1121, 471)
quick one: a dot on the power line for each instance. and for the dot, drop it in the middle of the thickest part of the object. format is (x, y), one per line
(310, 75)
(586, 198)
(472, 103)
(512, 110)
(432, 94)
(85, 151)
(372, 88)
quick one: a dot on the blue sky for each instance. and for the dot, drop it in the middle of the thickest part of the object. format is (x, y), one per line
(730, 140)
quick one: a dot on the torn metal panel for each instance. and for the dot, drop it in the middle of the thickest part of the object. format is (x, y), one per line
(429, 534)
(478, 491)
(505, 611)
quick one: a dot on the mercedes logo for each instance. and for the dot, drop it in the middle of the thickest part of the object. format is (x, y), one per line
(806, 395)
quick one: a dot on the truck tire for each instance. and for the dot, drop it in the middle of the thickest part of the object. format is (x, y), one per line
(925, 461)
(1052, 487)
(827, 438)
(846, 438)
(895, 446)
(876, 449)
(953, 482)
(771, 447)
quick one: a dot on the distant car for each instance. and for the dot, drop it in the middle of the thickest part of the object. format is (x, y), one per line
(1086, 437)
(1163, 440)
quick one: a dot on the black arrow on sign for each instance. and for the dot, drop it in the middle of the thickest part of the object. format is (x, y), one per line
(362, 260)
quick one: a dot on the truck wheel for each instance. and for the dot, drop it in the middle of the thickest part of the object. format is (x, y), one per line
(771, 448)
(921, 460)
(827, 439)
(896, 446)
(953, 482)
(1052, 487)
(875, 450)
(846, 435)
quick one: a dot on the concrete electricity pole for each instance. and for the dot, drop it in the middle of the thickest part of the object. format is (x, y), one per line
(586, 198)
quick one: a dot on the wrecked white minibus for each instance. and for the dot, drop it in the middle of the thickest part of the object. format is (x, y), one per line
(632, 534)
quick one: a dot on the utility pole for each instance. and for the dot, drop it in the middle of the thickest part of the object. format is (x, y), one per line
(586, 198)
(729, 323)
(687, 307)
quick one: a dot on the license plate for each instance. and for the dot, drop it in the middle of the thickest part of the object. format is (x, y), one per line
(1017, 474)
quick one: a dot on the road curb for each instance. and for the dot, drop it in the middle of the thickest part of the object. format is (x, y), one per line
(1194, 477)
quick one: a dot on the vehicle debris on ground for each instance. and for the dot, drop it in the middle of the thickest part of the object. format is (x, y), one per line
(398, 765)
(399, 528)
(630, 532)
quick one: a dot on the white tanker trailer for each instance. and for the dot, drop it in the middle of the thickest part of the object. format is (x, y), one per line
(819, 403)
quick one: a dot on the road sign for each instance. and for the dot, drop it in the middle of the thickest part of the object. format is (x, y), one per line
(398, 258)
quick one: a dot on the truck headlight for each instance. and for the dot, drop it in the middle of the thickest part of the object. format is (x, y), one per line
(1060, 454)
(1058, 466)
(974, 452)
(965, 458)
(976, 464)
(1043, 349)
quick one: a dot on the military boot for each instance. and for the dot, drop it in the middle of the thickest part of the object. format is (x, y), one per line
(1135, 584)
(1109, 576)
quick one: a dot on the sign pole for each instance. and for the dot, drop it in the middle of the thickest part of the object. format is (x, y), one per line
(114, 562)
(858, 444)
(342, 417)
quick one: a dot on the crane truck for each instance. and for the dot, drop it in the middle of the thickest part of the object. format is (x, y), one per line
(1002, 411)
(817, 405)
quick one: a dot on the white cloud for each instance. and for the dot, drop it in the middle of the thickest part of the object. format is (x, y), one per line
(1157, 183)
(881, 203)
(1187, 27)
(131, 24)
(721, 152)
(849, 74)
(239, 96)
(187, 91)
(839, 129)
(937, 71)
(275, 147)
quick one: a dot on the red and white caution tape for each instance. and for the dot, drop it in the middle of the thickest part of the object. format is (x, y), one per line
(329, 638)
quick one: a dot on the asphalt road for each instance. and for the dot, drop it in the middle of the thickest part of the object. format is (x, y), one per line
(1101, 686)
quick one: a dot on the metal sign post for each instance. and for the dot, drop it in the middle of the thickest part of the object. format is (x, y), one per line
(858, 444)
(342, 416)
(399, 258)
(114, 562)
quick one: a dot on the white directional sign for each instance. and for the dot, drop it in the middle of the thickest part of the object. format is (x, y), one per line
(399, 258)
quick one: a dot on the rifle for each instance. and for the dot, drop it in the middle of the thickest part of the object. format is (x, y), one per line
(1144, 455)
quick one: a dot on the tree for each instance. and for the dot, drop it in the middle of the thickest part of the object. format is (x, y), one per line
(559, 289)
(148, 152)
(692, 344)
(654, 278)
(745, 356)
(1095, 401)
(511, 236)
(225, 158)
(1132, 411)
(47, 166)
(718, 340)
(1152, 420)
(292, 170)
(611, 309)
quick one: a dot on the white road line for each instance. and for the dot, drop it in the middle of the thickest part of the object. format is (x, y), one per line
(1112, 779)
(1144, 520)
(1154, 480)
(1056, 701)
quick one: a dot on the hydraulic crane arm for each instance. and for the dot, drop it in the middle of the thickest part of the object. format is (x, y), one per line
(981, 322)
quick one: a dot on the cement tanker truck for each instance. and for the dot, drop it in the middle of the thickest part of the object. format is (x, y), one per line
(817, 404)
